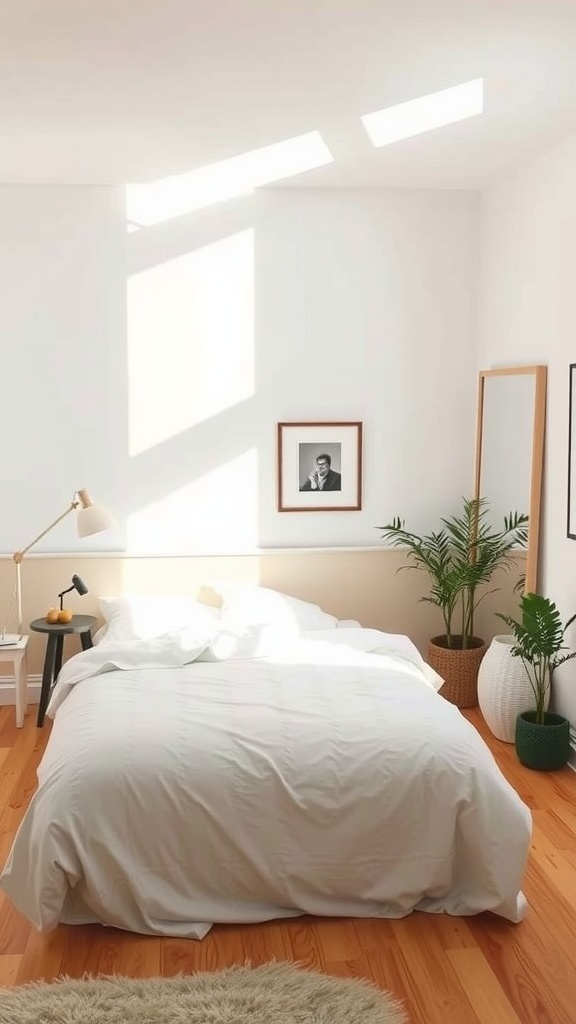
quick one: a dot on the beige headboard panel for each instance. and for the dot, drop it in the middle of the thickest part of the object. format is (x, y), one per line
(357, 583)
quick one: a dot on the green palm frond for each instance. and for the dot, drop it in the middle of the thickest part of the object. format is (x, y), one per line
(539, 642)
(540, 634)
(460, 558)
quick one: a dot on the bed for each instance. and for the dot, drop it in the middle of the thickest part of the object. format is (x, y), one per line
(246, 769)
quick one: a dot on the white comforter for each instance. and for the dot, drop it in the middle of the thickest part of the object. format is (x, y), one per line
(326, 777)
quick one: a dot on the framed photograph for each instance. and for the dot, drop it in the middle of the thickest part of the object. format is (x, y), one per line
(572, 454)
(319, 467)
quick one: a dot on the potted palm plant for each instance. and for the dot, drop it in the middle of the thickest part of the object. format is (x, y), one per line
(542, 737)
(460, 559)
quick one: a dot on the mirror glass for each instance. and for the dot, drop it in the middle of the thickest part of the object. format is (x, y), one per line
(510, 447)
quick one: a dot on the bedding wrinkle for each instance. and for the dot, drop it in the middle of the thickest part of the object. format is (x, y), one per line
(321, 778)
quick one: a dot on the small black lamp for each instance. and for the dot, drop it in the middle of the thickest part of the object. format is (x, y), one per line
(77, 584)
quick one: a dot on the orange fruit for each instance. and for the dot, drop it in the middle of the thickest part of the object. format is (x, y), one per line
(52, 615)
(65, 615)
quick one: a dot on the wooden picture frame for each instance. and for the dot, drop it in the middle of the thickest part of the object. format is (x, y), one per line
(511, 419)
(571, 516)
(319, 466)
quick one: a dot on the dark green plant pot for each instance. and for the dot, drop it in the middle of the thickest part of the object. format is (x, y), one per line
(544, 747)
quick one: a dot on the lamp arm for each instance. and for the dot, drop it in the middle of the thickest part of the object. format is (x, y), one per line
(61, 595)
(19, 555)
(81, 497)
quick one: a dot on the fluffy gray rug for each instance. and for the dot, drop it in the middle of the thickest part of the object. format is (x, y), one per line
(273, 994)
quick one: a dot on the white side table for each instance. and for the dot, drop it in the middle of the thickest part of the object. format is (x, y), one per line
(16, 653)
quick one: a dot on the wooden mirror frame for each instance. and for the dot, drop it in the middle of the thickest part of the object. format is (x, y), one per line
(539, 373)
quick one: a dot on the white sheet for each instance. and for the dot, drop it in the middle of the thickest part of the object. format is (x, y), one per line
(322, 778)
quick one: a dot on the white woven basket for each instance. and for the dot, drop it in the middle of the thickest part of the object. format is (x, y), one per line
(504, 689)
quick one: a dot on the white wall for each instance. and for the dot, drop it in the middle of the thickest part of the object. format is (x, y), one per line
(153, 367)
(63, 352)
(528, 315)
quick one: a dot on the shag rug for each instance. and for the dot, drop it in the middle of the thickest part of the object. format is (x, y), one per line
(275, 993)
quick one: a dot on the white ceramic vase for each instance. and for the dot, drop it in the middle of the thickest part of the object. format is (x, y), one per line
(504, 689)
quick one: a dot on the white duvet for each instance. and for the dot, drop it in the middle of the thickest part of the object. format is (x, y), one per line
(325, 777)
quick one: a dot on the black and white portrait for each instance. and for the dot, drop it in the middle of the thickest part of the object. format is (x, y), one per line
(319, 466)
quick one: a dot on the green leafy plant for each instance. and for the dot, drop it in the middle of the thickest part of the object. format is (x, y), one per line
(460, 559)
(540, 644)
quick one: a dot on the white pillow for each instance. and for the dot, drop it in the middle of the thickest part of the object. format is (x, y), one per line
(247, 604)
(144, 618)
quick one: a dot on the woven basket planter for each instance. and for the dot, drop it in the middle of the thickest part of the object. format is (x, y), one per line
(458, 668)
(503, 689)
(543, 747)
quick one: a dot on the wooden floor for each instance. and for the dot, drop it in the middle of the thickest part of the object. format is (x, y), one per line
(479, 970)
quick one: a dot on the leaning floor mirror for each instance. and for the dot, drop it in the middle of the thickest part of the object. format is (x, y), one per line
(510, 448)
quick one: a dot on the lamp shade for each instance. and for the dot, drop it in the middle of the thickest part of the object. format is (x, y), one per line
(79, 585)
(94, 519)
(91, 518)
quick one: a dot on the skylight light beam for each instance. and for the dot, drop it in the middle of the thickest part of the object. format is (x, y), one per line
(239, 175)
(426, 113)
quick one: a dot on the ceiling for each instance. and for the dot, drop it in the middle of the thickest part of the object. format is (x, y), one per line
(134, 90)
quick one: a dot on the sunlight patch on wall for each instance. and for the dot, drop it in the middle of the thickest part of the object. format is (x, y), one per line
(189, 320)
(214, 514)
(422, 115)
(183, 193)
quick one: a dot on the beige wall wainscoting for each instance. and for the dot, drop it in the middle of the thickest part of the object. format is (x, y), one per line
(351, 583)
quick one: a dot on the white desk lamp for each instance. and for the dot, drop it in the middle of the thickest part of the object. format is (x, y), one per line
(91, 519)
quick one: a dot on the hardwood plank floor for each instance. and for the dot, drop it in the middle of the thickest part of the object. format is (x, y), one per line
(478, 970)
